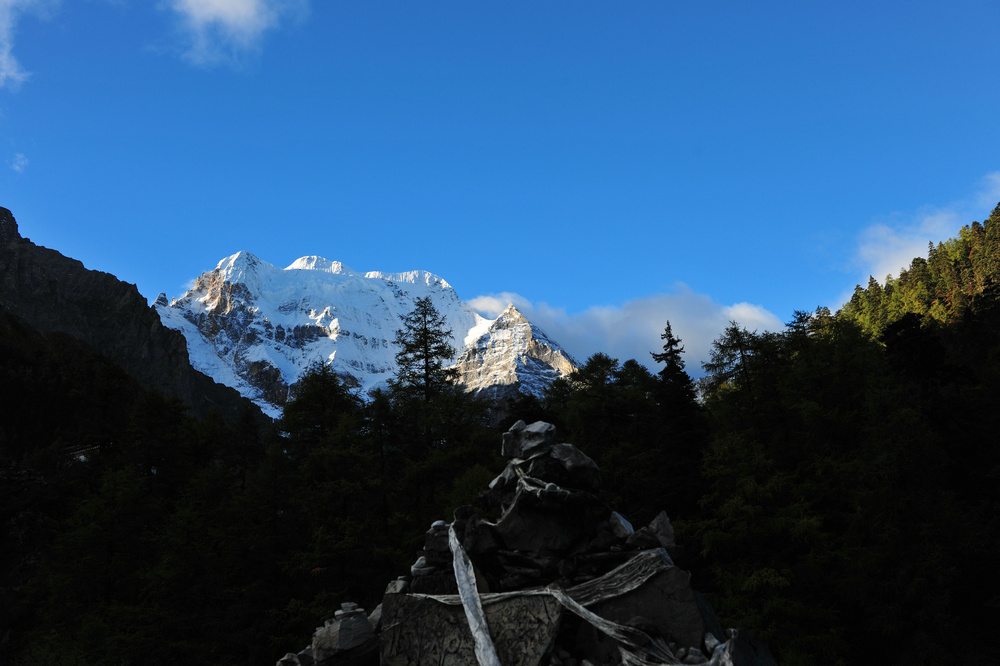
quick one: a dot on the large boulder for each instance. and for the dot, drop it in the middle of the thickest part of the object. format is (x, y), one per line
(523, 440)
(566, 466)
(547, 519)
(348, 630)
(666, 602)
(418, 629)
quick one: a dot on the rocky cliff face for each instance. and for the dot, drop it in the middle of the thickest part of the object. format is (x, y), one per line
(512, 355)
(53, 293)
(257, 328)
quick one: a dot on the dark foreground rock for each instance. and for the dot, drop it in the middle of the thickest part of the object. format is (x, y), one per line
(559, 579)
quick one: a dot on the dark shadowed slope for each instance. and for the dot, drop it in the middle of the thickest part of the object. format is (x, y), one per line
(54, 293)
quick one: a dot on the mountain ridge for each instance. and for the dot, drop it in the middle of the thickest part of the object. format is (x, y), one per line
(257, 328)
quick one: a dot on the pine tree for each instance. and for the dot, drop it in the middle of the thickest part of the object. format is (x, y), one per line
(424, 349)
(730, 359)
(676, 387)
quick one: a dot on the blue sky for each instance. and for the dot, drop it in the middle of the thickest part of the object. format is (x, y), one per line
(607, 166)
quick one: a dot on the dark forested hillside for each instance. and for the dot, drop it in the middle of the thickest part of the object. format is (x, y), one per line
(853, 469)
(93, 467)
(136, 533)
(852, 499)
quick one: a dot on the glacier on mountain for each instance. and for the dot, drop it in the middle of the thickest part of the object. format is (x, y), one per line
(257, 328)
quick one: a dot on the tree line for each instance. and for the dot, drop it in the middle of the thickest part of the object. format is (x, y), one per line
(833, 485)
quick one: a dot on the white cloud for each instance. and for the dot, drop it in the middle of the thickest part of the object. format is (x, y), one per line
(18, 163)
(219, 31)
(633, 329)
(11, 71)
(888, 246)
(989, 192)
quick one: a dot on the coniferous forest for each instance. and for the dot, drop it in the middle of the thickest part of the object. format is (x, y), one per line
(835, 486)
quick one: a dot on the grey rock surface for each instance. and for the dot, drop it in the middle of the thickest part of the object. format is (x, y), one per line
(523, 440)
(538, 522)
(663, 530)
(666, 601)
(348, 630)
(566, 466)
(620, 527)
(421, 630)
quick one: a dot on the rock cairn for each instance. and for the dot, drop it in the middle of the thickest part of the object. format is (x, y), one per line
(559, 579)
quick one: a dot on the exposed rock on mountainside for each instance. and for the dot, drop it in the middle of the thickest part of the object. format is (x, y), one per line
(257, 328)
(558, 579)
(512, 355)
(53, 293)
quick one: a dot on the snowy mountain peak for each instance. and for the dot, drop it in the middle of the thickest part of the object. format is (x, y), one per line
(512, 355)
(257, 328)
(240, 263)
(511, 314)
(314, 263)
(243, 268)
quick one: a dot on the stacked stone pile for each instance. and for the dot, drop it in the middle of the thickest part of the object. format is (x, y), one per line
(558, 579)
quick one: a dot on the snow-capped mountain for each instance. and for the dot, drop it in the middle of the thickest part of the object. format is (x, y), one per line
(257, 328)
(512, 353)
